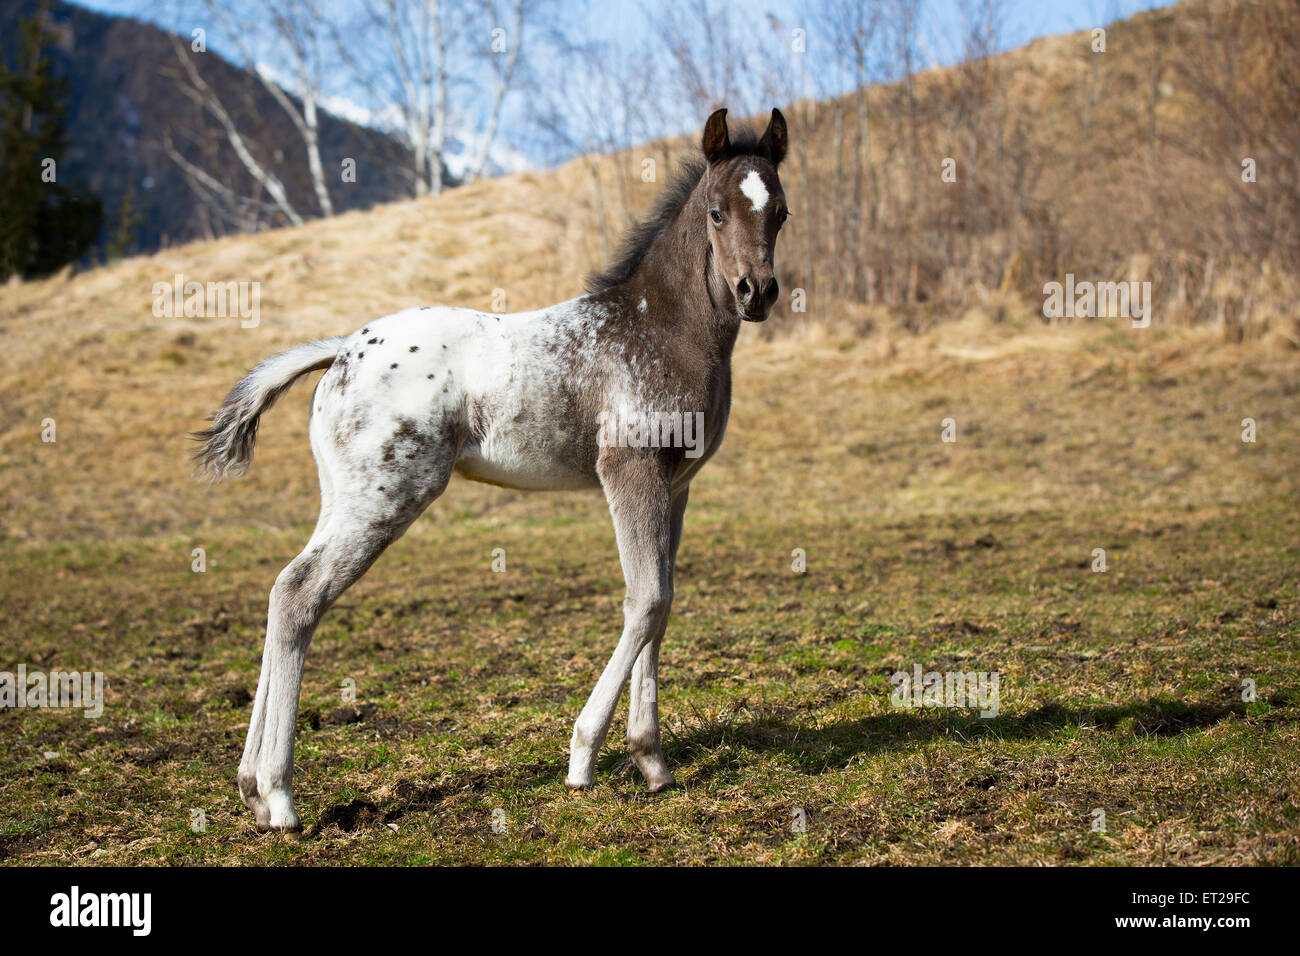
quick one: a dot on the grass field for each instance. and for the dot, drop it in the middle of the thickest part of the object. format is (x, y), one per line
(1119, 691)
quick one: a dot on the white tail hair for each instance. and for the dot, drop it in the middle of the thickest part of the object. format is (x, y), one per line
(228, 443)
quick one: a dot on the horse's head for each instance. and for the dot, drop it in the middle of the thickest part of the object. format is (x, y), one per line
(745, 207)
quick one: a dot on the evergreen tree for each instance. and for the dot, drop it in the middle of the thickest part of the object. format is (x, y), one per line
(44, 224)
(124, 235)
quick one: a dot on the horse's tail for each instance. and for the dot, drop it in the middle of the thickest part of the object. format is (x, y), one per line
(228, 443)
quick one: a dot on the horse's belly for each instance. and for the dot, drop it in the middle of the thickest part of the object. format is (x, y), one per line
(523, 466)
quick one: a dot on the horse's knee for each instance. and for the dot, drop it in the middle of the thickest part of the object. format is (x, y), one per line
(298, 595)
(649, 607)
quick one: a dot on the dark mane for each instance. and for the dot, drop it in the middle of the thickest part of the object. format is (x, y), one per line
(638, 239)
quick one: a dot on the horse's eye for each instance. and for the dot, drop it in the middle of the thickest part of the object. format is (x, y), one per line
(716, 215)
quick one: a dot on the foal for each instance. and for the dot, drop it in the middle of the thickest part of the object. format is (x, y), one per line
(525, 400)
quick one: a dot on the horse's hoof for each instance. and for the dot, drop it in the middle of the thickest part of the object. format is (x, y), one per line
(573, 784)
(294, 827)
(666, 782)
(281, 816)
(287, 823)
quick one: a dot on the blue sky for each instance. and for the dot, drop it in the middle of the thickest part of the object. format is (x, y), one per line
(1025, 19)
(623, 24)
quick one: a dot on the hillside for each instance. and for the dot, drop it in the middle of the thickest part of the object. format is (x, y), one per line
(88, 350)
(1117, 165)
(1125, 164)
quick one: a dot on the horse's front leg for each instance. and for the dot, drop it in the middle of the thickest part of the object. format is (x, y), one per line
(640, 499)
(643, 741)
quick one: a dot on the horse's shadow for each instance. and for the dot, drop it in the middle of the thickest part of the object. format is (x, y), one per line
(816, 748)
(696, 751)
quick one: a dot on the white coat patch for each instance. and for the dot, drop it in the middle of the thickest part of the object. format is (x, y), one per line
(753, 188)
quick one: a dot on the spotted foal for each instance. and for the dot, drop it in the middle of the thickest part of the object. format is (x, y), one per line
(600, 391)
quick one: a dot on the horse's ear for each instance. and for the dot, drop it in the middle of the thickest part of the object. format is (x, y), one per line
(716, 141)
(775, 141)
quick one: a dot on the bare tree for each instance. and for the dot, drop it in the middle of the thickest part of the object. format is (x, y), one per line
(297, 24)
(707, 54)
(417, 59)
(222, 208)
(279, 35)
(903, 201)
(851, 29)
(609, 104)
(506, 44)
(202, 93)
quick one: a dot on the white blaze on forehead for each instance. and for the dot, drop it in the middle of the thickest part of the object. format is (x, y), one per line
(753, 188)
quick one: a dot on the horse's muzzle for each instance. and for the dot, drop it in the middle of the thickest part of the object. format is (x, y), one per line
(756, 297)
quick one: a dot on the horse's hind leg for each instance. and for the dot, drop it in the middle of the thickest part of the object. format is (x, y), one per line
(253, 742)
(643, 740)
(362, 521)
(311, 582)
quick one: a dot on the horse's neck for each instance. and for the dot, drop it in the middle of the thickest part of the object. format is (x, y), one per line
(680, 273)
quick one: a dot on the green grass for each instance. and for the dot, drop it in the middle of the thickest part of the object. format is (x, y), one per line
(1119, 692)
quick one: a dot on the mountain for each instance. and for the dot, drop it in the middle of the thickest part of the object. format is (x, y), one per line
(126, 101)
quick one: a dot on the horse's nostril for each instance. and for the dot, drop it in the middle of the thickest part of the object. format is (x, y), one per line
(745, 291)
(770, 291)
